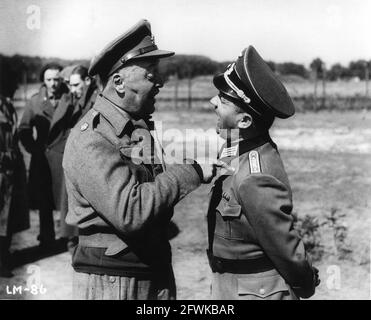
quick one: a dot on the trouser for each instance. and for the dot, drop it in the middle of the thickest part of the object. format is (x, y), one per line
(103, 287)
(4, 251)
(268, 285)
(47, 232)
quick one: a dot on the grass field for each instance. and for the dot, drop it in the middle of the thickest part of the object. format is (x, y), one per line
(340, 95)
(328, 159)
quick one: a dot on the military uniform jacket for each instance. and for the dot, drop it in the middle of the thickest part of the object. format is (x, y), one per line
(121, 204)
(250, 213)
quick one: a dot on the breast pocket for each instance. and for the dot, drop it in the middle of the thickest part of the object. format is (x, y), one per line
(228, 224)
(263, 286)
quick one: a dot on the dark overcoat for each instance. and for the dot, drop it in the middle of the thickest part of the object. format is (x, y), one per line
(14, 213)
(34, 132)
(66, 115)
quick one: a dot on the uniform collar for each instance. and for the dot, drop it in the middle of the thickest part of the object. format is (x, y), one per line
(231, 150)
(117, 117)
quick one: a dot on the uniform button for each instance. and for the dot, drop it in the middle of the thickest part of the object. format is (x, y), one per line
(261, 291)
(112, 279)
(84, 126)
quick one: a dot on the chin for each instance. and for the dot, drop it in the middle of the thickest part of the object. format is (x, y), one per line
(150, 108)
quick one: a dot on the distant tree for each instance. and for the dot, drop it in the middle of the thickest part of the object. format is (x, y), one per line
(272, 65)
(222, 66)
(290, 68)
(367, 74)
(11, 71)
(319, 70)
(187, 67)
(337, 71)
(359, 68)
(317, 66)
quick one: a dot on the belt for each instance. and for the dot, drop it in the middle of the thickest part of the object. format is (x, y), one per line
(102, 239)
(255, 265)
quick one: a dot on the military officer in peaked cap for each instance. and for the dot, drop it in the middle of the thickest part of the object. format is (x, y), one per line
(122, 206)
(254, 252)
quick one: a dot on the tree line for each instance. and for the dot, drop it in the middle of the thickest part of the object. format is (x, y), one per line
(25, 69)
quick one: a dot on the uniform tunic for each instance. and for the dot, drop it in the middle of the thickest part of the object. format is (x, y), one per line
(250, 219)
(121, 205)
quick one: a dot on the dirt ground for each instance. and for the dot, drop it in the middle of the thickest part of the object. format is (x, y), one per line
(327, 157)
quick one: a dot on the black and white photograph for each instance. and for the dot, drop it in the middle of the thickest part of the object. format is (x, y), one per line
(185, 150)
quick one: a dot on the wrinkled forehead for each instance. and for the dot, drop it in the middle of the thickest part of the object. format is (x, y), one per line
(51, 74)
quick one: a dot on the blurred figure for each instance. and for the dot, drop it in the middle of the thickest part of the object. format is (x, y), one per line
(14, 213)
(33, 133)
(71, 108)
(66, 73)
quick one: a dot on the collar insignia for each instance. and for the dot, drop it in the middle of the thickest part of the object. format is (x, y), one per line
(229, 152)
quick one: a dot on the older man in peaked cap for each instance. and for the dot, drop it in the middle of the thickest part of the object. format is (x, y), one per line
(254, 251)
(123, 206)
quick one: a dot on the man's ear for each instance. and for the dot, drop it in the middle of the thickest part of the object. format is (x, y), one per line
(118, 83)
(244, 121)
(87, 81)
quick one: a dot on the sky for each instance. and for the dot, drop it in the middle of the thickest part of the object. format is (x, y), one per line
(337, 31)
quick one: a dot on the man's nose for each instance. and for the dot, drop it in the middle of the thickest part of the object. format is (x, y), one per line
(214, 101)
(159, 82)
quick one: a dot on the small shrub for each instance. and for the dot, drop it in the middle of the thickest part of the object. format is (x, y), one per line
(308, 229)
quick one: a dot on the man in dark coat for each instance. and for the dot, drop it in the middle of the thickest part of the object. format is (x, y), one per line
(254, 251)
(14, 213)
(72, 106)
(36, 119)
(121, 203)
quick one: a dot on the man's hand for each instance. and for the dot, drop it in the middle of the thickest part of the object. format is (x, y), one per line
(209, 168)
(317, 280)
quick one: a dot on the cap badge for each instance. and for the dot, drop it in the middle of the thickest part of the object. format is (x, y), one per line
(84, 126)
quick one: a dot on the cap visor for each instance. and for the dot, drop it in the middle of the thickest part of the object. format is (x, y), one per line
(155, 54)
